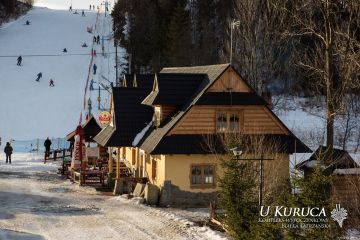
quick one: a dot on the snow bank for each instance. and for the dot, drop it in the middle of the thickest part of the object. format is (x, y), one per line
(179, 216)
(28, 163)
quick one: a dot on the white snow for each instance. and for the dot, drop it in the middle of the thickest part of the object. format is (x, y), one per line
(65, 4)
(141, 134)
(38, 204)
(30, 109)
(347, 171)
(28, 162)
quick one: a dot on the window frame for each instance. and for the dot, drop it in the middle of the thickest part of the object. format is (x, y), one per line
(203, 185)
(228, 114)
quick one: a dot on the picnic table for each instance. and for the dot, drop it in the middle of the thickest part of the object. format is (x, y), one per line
(88, 176)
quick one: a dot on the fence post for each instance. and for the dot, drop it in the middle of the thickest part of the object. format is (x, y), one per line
(37, 145)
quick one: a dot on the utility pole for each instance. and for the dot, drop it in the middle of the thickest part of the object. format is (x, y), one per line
(99, 98)
(116, 65)
(233, 24)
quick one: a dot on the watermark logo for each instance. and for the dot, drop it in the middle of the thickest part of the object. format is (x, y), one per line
(339, 214)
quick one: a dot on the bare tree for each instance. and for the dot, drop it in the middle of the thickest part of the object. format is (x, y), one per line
(326, 49)
(258, 51)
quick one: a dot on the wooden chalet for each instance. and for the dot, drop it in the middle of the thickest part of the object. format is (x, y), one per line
(91, 128)
(129, 118)
(183, 105)
(340, 159)
(346, 171)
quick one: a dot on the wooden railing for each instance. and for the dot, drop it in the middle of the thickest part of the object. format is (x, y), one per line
(57, 154)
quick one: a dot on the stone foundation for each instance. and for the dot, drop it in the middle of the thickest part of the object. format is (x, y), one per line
(172, 195)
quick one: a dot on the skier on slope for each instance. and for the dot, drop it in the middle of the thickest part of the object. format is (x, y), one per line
(51, 83)
(94, 69)
(83, 13)
(39, 75)
(92, 84)
(19, 60)
(98, 39)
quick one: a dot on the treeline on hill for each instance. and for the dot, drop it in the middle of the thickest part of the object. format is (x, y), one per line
(160, 33)
(13, 8)
(278, 44)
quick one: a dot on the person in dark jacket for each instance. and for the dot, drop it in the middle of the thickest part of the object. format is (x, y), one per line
(47, 145)
(19, 60)
(39, 75)
(94, 69)
(8, 151)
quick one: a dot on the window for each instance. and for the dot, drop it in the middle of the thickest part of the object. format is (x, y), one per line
(153, 174)
(202, 175)
(234, 122)
(157, 116)
(228, 121)
(221, 122)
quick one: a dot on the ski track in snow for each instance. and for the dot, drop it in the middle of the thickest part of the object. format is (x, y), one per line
(39, 204)
(30, 109)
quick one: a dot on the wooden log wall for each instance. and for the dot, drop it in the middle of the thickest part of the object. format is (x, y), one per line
(253, 119)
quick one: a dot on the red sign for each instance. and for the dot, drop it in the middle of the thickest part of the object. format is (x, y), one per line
(104, 118)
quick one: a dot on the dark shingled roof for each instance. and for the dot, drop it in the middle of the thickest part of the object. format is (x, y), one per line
(174, 88)
(130, 116)
(341, 158)
(156, 141)
(230, 98)
(91, 129)
(212, 72)
(199, 144)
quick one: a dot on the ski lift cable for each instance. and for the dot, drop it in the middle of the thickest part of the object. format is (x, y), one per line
(50, 55)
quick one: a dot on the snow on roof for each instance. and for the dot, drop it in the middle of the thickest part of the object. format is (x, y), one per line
(141, 134)
(347, 171)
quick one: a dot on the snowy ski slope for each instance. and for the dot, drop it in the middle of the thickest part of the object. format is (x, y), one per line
(30, 109)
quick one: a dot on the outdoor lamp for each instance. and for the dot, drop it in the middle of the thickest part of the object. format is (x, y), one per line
(236, 151)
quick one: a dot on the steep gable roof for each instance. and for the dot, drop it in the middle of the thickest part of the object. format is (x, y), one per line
(212, 72)
(91, 128)
(341, 159)
(151, 141)
(130, 115)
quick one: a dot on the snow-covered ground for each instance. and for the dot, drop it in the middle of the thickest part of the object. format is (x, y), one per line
(38, 204)
(30, 109)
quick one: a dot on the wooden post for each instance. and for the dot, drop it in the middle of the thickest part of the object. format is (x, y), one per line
(110, 163)
(118, 164)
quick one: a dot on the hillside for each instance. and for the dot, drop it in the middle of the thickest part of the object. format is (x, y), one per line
(31, 109)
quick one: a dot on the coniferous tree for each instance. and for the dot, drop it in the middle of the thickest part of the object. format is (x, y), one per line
(179, 38)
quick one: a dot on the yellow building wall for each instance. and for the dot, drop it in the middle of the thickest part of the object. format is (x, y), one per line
(176, 168)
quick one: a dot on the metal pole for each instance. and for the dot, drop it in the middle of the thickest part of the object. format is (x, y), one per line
(261, 182)
(116, 65)
(231, 28)
(99, 99)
